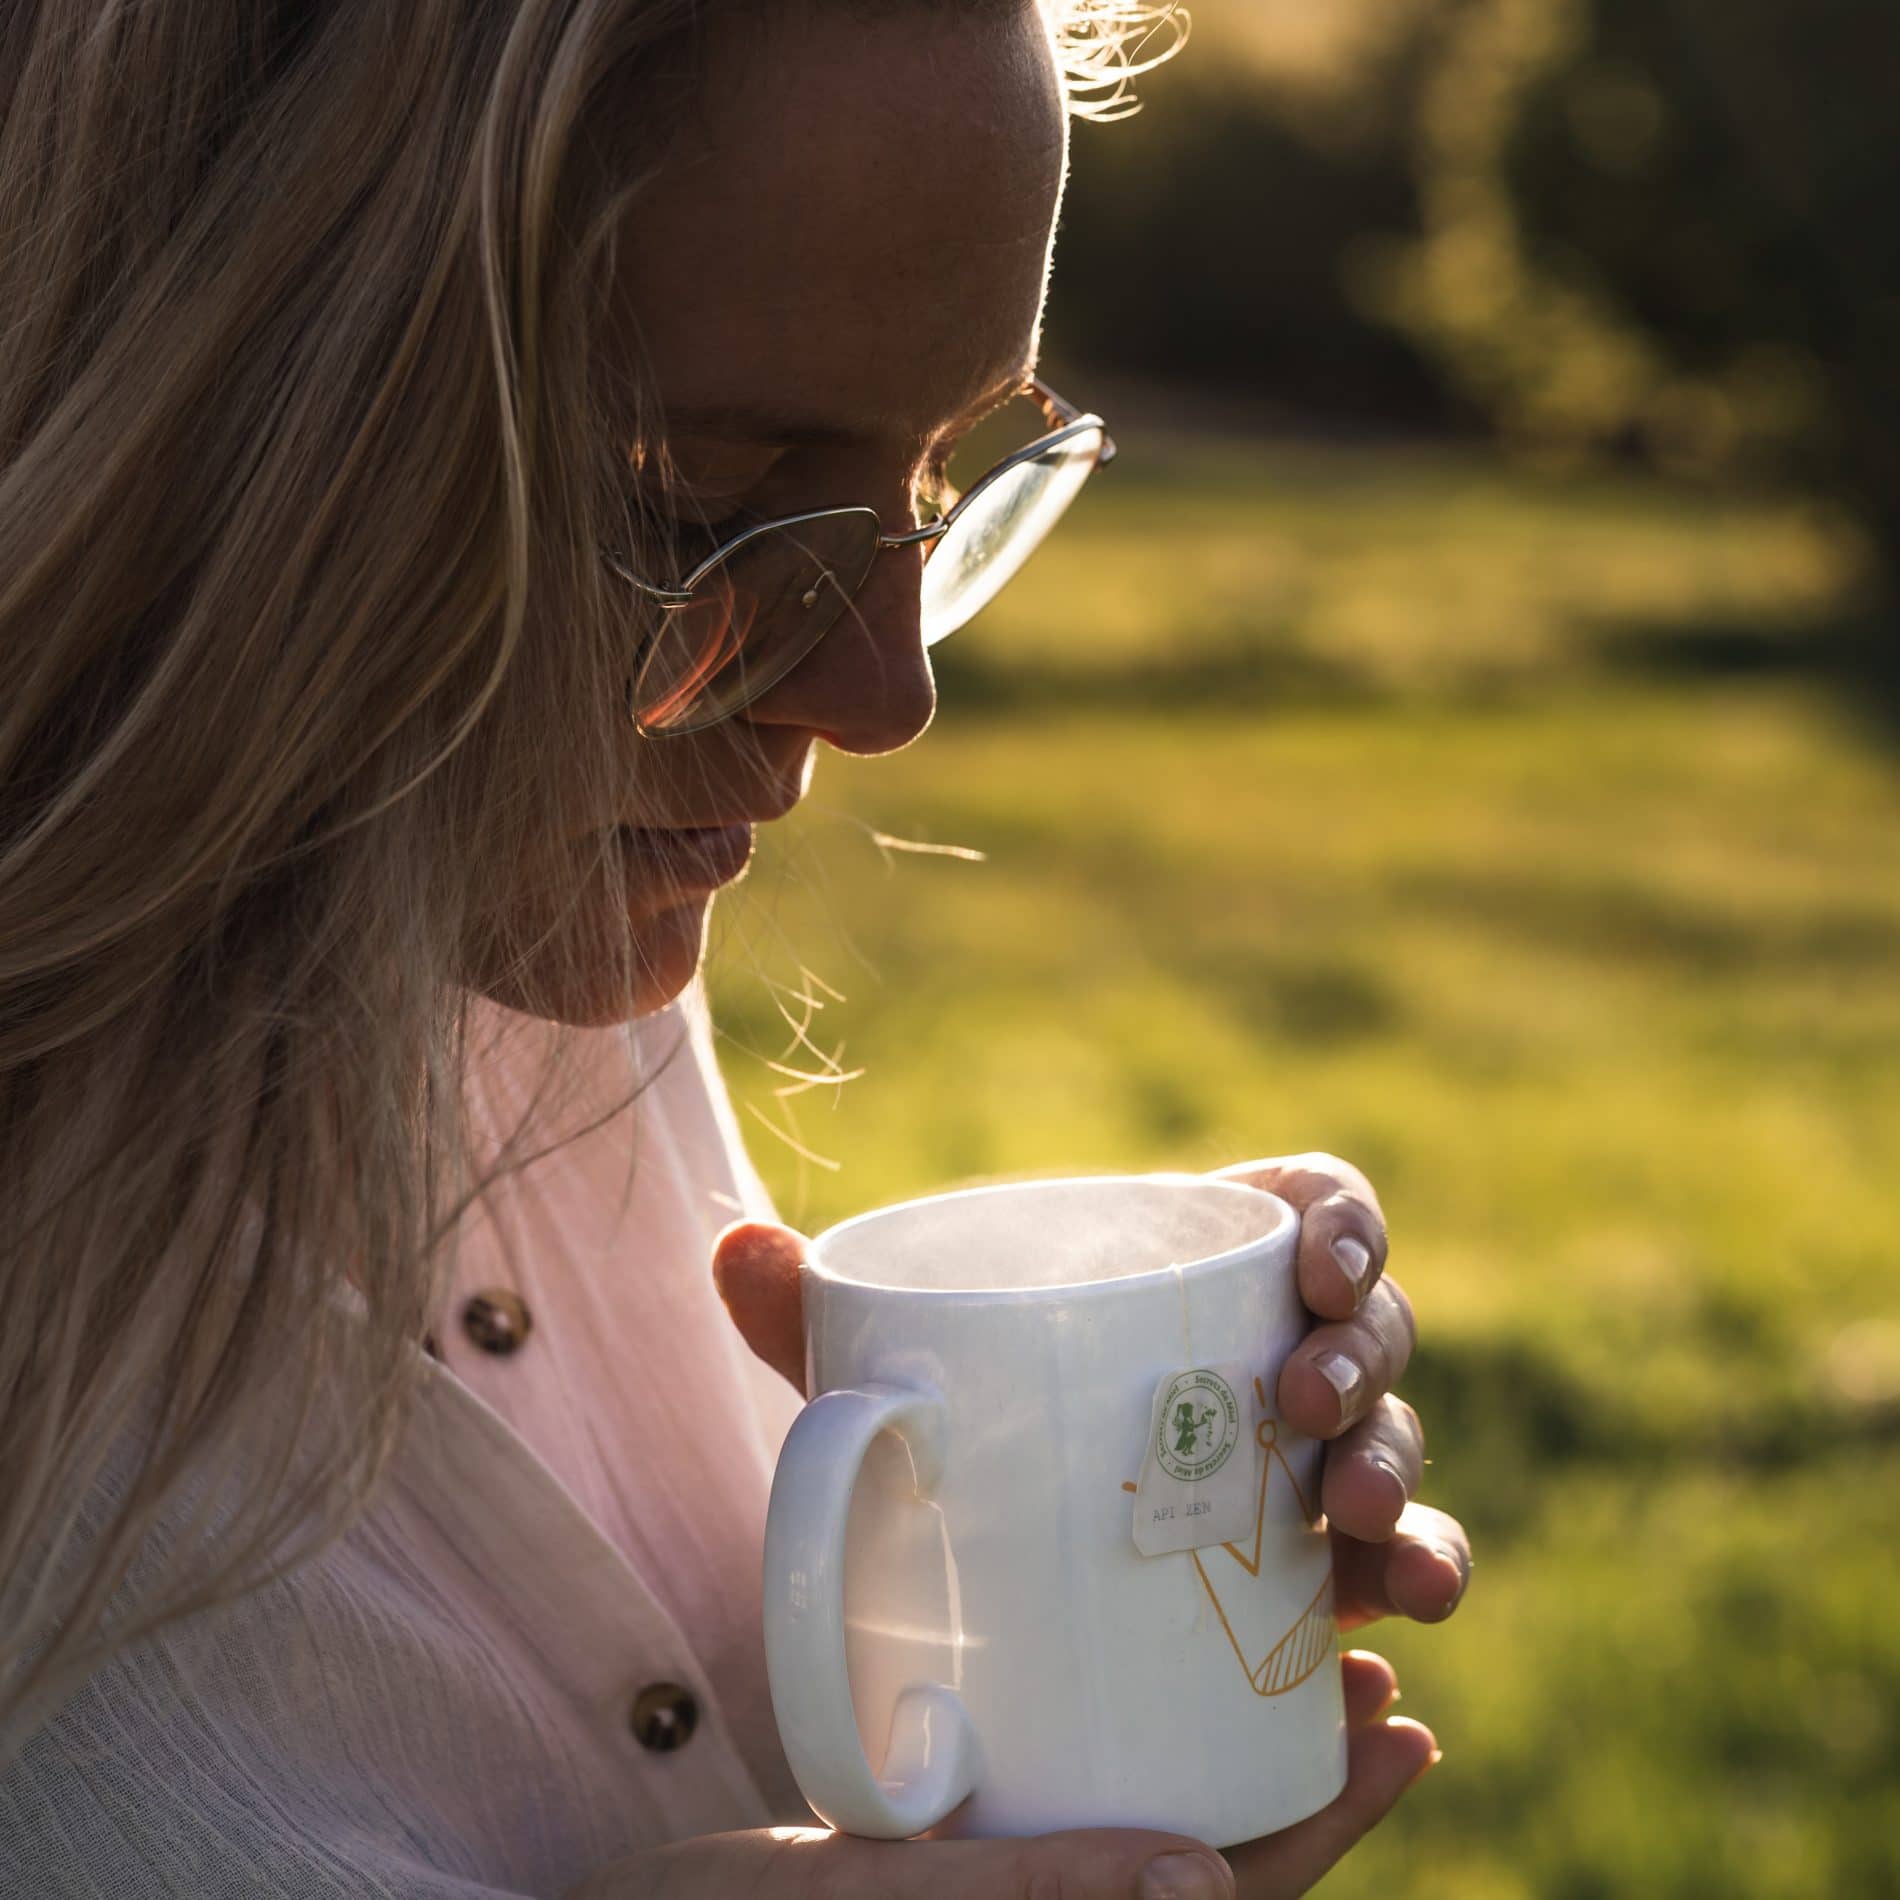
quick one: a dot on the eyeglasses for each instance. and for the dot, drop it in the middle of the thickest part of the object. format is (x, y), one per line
(759, 603)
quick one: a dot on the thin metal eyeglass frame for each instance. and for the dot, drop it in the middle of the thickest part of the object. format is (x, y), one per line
(1065, 422)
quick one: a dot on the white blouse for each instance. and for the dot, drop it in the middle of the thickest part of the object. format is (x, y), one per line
(540, 1648)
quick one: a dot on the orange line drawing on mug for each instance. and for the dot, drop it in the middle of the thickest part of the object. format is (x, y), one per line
(1311, 1638)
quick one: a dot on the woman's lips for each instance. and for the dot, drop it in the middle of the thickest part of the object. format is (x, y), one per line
(718, 852)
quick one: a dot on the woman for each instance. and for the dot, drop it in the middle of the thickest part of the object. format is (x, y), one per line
(374, 375)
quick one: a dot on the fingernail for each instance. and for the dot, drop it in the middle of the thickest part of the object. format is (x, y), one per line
(1185, 1877)
(1382, 1463)
(1355, 1262)
(1346, 1378)
(1459, 1570)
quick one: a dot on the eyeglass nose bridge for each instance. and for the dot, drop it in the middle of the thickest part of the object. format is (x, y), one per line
(930, 531)
(1068, 422)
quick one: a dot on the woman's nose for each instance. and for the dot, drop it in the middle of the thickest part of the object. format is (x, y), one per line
(866, 686)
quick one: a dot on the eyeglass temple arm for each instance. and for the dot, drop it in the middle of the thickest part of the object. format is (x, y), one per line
(666, 596)
(1058, 412)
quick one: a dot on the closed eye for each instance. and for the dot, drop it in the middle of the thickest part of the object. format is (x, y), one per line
(694, 539)
(703, 508)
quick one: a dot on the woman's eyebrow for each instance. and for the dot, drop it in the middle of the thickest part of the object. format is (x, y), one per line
(794, 429)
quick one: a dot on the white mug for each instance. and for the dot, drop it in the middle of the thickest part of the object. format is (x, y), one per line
(952, 1586)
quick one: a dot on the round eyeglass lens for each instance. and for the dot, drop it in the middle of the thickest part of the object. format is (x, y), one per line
(1001, 526)
(752, 619)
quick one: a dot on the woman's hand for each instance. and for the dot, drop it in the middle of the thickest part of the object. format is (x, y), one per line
(1106, 1863)
(1390, 1555)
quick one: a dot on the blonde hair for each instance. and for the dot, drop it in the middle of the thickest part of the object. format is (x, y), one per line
(307, 450)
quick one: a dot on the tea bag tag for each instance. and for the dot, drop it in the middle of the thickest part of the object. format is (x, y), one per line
(1200, 1472)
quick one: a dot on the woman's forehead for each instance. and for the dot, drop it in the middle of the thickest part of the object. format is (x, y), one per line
(857, 224)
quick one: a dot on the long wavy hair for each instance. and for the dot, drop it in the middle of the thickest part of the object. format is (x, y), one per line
(308, 445)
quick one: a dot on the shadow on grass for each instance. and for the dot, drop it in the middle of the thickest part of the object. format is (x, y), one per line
(1518, 1417)
(1856, 655)
(1263, 669)
(1623, 918)
(1223, 674)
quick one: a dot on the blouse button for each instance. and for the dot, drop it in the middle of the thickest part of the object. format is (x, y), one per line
(664, 1716)
(497, 1321)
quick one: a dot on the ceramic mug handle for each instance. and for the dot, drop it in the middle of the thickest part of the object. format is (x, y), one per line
(931, 1762)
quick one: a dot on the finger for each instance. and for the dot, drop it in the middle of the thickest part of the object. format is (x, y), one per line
(767, 1863)
(1342, 1227)
(1382, 1761)
(1370, 1683)
(1342, 1254)
(1372, 1471)
(755, 1267)
(1339, 1371)
(1421, 1571)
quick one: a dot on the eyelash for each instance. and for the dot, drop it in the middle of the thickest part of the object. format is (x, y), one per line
(937, 469)
(933, 482)
(693, 540)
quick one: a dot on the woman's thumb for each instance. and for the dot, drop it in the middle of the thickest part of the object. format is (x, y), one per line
(777, 1863)
(755, 1268)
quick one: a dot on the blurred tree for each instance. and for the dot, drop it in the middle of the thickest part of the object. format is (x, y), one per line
(1207, 243)
(1670, 225)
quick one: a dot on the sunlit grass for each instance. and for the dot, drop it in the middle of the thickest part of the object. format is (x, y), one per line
(1506, 841)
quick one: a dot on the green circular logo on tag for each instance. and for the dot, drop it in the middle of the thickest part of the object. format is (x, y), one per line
(1200, 1425)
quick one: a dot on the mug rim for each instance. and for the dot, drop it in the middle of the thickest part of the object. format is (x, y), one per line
(1288, 1217)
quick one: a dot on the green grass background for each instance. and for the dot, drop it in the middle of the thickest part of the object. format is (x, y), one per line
(1516, 841)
